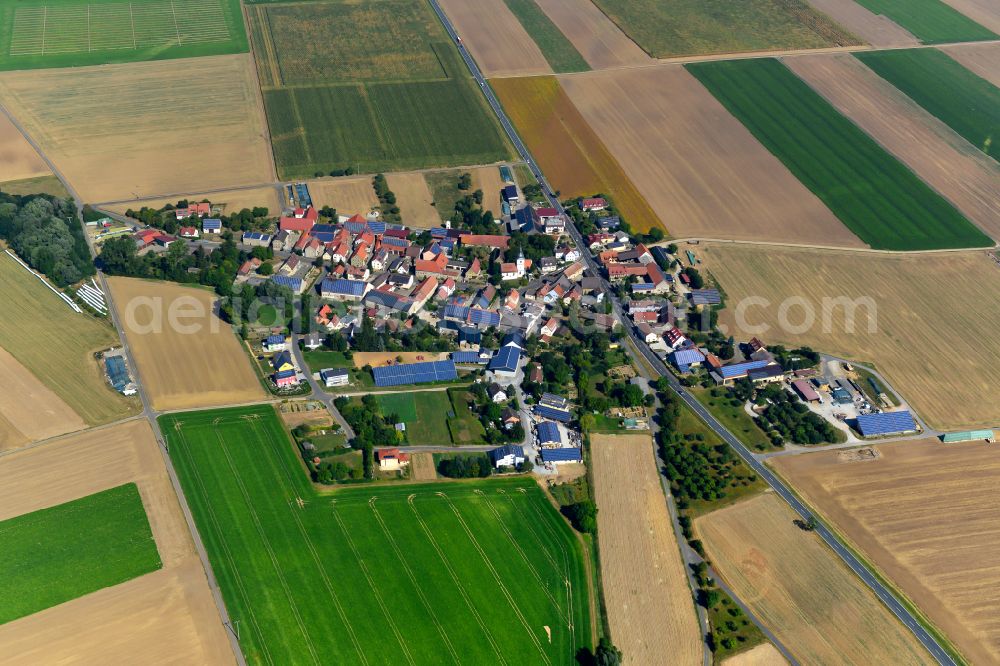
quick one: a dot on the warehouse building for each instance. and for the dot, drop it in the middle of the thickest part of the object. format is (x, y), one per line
(886, 423)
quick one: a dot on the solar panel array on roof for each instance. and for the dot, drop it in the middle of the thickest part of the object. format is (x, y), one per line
(395, 242)
(292, 283)
(256, 235)
(563, 416)
(467, 357)
(886, 423)
(568, 454)
(211, 223)
(302, 192)
(377, 228)
(737, 369)
(483, 317)
(456, 312)
(343, 286)
(548, 432)
(322, 236)
(415, 373)
(117, 373)
(506, 359)
(705, 297)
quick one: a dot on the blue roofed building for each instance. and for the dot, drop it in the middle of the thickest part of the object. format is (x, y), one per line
(730, 373)
(505, 362)
(561, 455)
(886, 423)
(506, 456)
(415, 373)
(548, 434)
(293, 283)
(554, 413)
(211, 225)
(341, 289)
(118, 375)
(274, 343)
(685, 359)
(471, 357)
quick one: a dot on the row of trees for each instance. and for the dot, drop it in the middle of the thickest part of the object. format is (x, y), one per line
(387, 199)
(247, 219)
(47, 234)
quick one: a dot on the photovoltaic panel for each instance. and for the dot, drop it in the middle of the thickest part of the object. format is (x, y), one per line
(415, 373)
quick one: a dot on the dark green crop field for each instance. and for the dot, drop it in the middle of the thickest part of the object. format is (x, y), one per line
(51, 556)
(875, 195)
(468, 573)
(559, 52)
(72, 33)
(967, 103)
(930, 21)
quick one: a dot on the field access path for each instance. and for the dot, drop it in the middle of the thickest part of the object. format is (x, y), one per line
(862, 569)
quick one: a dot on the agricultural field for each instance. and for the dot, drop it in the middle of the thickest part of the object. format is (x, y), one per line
(894, 300)
(697, 166)
(764, 654)
(132, 148)
(56, 345)
(649, 603)
(425, 414)
(39, 185)
(18, 160)
(968, 104)
(917, 513)
(932, 21)
(595, 36)
(984, 12)
(465, 427)
(944, 160)
(875, 195)
(571, 154)
(794, 583)
(414, 199)
(981, 59)
(443, 187)
(272, 539)
(102, 627)
(348, 195)
(408, 101)
(686, 27)
(29, 410)
(496, 39)
(875, 29)
(57, 554)
(559, 51)
(75, 33)
(187, 356)
(234, 200)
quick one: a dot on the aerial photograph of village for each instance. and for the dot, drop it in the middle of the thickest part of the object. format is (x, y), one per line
(499, 332)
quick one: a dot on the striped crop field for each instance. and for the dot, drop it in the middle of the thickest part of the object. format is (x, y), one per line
(872, 193)
(480, 572)
(930, 21)
(965, 102)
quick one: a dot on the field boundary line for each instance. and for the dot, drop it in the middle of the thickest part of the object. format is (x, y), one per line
(456, 579)
(496, 575)
(409, 574)
(177, 30)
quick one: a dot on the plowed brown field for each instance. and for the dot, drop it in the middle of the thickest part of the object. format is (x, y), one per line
(235, 200)
(650, 608)
(414, 199)
(347, 195)
(196, 363)
(981, 59)
(601, 43)
(165, 617)
(918, 513)
(573, 157)
(943, 159)
(935, 317)
(698, 167)
(141, 130)
(18, 160)
(876, 29)
(799, 589)
(30, 410)
(496, 39)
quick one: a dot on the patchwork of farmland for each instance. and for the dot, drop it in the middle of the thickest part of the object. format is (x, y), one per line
(573, 157)
(29, 410)
(932, 21)
(984, 12)
(962, 100)
(684, 27)
(594, 35)
(560, 53)
(875, 29)
(333, 576)
(496, 39)
(877, 197)
(404, 103)
(72, 33)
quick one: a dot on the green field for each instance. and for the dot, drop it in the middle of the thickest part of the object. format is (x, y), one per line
(559, 52)
(401, 100)
(72, 33)
(422, 574)
(465, 428)
(967, 103)
(872, 193)
(685, 27)
(930, 21)
(425, 414)
(63, 552)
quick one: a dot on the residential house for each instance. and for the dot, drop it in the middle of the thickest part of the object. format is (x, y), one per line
(496, 393)
(285, 378)
(282, 361)
(312, 341)
(391, 460)
(510, 455)
(343, 289)
(256, 239)
(211, 226)
(274, 343)
(188, 232)
(510, 195)
(593, 204)
(334, 377)
(193, 209)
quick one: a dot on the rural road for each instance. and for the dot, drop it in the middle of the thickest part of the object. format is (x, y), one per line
(318, 393)
(881, 591)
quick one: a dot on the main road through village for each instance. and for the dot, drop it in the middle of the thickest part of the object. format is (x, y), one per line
(891, 601)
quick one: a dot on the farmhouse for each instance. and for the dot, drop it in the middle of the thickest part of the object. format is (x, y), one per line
(203, 208)
(211, 225)
(285, 378)
(685, 359)
(506, 456)
(728, 374)
(390, 460)
(334, 377)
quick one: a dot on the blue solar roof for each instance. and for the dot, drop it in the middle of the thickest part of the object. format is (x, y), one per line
(554, 414)
(506, 359)
(456, 312)
(439, 232)
(292, 283)
(377, 227)
(483, 317)
(467, 357)
(886, 423)
(706, 297)
(274, 339)
(548, 432)
(256, 235)
(393, 241)
(211, 223)
(737, 369)
(343, 286)
(643, 286)
(117, 372)
(322, 236)
(688, 356)
(302, 190)
(414, 373)
(570, 454)
(284, 373)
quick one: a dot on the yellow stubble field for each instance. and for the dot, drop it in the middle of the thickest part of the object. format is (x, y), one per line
(18, 160)
(29, 410)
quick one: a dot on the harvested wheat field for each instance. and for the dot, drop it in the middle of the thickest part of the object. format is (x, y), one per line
(601, 43)
(164, 617)
(918, 513)
(414, 199)
(18, 160)
(877, 29)
(798, 588)
(348, 196)
(650, 607)
(29, 410)
(234, 200)
(489, 181)
(697, 166)
(422, 466)
(764, 654)
(496, 39)
(984, 12)
(141, 130)
(37, 185)
(198, 362)
(981, 59)
(573, 157)
(375, 359)
(944, 160)
(950, 382)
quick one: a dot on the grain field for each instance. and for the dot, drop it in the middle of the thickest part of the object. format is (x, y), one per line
(764, 654)
(496, 39)
(799, 589)
(489, 181)
(877, 29)
(601, 43)
(18, 160)
(650, 608)
(348, 196)
(918, 513)
(30, 410)
(698, 167)
(414, 199)
(422, 466)
(981, 59)
(234, 200)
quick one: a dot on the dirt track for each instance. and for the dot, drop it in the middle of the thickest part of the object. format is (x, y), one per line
(601, 43)
(650, 609)
(30, 409)
(981, 59)
(918, 513)
(164, 617)
(496, 39)
(700, 169)
(18, 160)
(876, 29)
(939, 156)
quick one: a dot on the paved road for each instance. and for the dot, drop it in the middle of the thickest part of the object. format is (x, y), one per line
(318, 393)
(866, 575)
